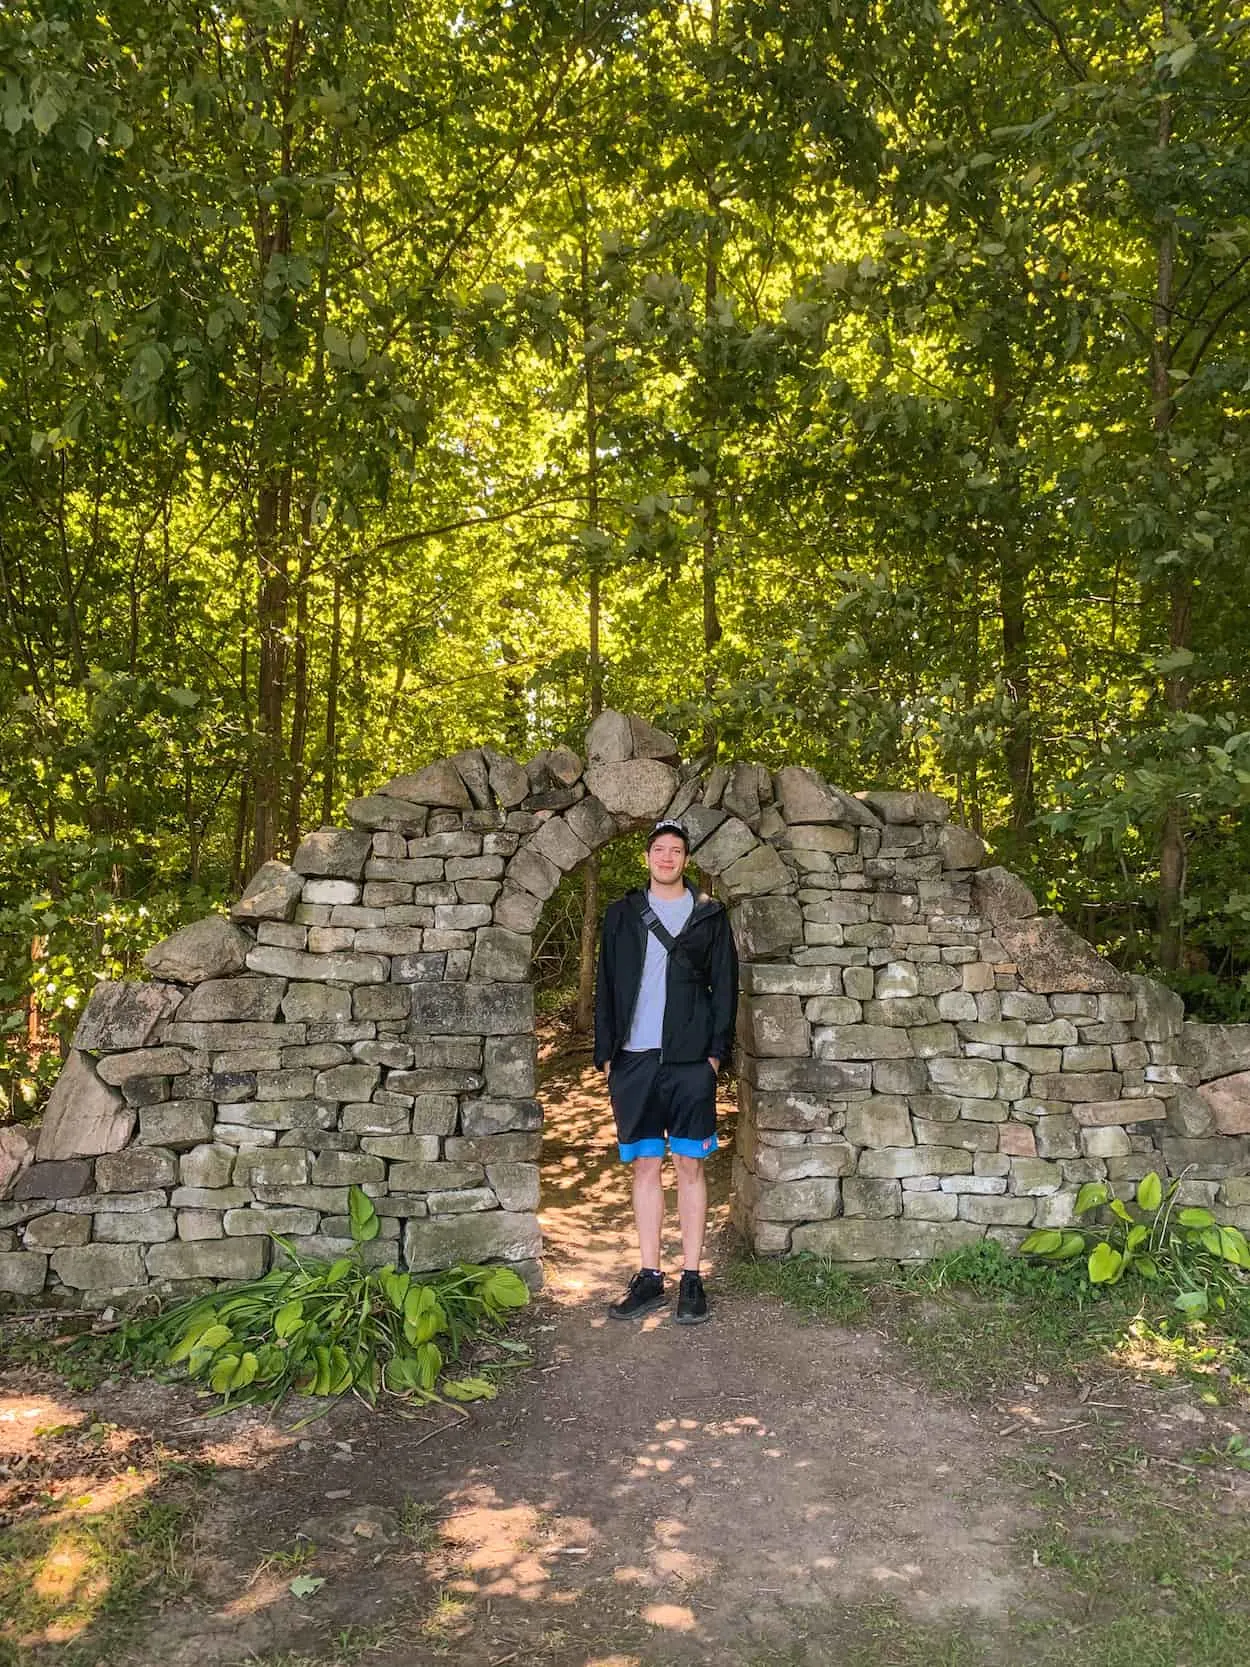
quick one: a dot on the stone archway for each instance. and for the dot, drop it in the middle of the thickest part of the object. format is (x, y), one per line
(924, 1059)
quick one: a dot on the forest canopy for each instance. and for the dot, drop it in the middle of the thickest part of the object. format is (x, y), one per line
(861, 385)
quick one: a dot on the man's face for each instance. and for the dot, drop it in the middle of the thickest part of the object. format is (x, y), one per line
(666, 859)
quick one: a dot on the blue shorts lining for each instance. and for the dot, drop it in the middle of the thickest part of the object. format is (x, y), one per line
(683, 1148)
(693, 1148)
(642, 1149)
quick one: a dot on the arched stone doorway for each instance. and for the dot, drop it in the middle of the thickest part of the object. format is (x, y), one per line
(924, 1059)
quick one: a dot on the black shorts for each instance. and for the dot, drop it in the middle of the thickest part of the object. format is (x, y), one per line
(653, 1103)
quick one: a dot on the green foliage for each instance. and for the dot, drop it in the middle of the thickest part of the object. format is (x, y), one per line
(1184, 1249)
(347, 351)
(324, 1328)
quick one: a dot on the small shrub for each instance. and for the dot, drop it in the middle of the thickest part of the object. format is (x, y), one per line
(1186, 1250)
(324, 1328)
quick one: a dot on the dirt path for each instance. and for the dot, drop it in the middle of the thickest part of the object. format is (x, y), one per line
(740, 1493)
(647, 1493)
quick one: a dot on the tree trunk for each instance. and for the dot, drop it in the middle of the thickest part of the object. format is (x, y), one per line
(585, 1014)
(272, 607)
(1172, 858)
(329, 769)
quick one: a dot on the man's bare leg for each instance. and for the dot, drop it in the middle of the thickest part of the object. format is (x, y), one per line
(648, 1208)
(691, 1208)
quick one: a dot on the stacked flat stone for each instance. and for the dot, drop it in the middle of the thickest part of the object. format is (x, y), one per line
(923, 1057)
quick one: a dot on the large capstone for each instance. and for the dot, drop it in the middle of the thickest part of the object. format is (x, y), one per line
(211, 948)
(273, 893)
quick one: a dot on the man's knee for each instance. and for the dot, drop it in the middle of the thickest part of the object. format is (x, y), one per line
(689, 1170)
(647, 1169)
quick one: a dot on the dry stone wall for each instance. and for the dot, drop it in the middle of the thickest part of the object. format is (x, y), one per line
(924, 1058)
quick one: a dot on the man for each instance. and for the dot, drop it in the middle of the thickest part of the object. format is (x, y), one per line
(665, 1000)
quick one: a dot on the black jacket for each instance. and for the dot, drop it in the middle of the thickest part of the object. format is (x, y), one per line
(701, 987)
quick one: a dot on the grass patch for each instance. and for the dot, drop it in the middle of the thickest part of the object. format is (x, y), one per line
(78, 1573)
(1154, 1575)
(981, 1319)
(814, 1287)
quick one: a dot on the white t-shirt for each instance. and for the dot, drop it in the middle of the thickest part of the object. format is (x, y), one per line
(647, 1028)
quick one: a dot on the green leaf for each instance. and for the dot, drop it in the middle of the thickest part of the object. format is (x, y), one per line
(304, 1585)
(1134, 1236)
(469, 1389)
(1047, 1242)
(506, 1289)
(1119, 1210)
(214, 1336)
(1195, 1217)
(222, 1376)
(1105, 1265)
(1192, 1303)
(1073, 1244)
(1091, 1195)
(288, 1319)
(364, 1217)
(1149, 1192)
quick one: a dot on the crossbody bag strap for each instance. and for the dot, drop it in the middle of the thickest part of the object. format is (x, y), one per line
(661, 933)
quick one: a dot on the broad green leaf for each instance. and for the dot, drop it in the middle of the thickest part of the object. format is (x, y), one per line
(304, 1585)
(1047, 1242)
(214, 1336)
(1120, 1210)
(288, 1319)
(1105, 1263)
(429, 1364)
(506, 1289)
(1195, 1217)
(469, 1389)
(1134, 1236)
(223, 1374)
(1149, 1192)
(1073, 1244)
(364, 1217)
(1192, 1303)
(1092, 1194)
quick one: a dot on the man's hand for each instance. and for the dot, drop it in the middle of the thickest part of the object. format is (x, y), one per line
(714, 1063)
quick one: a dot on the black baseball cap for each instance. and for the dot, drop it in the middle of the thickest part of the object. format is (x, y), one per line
(668, 825)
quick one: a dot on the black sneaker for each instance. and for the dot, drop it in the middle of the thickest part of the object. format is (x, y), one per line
(646, 1291)
(691, 1301)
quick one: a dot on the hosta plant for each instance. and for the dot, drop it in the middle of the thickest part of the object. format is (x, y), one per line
(323, 1328)
(1185, 1249)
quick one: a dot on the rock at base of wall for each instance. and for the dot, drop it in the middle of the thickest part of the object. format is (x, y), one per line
(22, 1273)
(99, 1267)
(84, 1116)
(862, 1239)
(208, 1259)
(492, 1236)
